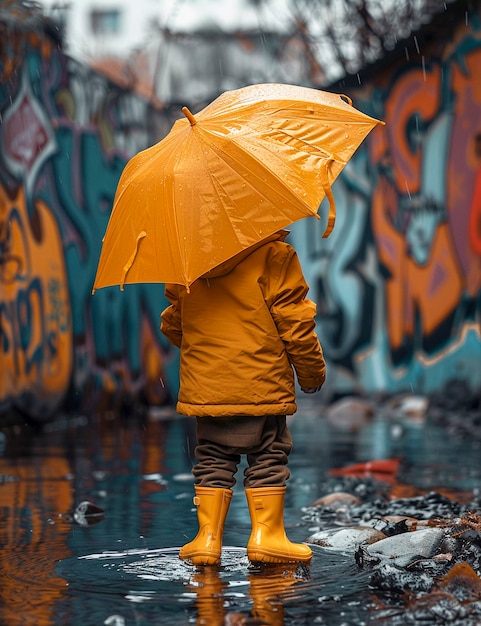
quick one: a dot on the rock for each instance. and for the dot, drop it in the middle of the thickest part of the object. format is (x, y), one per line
(426, 507)
(334, 501)
(402, 549)
(410, 407)
(87, 514)
(389, 577)
(346, 539)
(349, 414)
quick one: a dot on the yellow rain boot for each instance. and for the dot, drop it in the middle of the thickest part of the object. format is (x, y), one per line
(268, 542)
(212, 506)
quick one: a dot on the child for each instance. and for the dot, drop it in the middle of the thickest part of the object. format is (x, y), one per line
(242, 329)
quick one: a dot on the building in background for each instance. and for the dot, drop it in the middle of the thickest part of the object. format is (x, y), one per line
(185, 50)
(190, 50)
(120, 28)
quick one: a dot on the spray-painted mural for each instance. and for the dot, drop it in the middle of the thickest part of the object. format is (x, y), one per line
(397, 284)
(65, 136)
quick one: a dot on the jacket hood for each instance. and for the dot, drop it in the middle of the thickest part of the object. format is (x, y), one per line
(227, 266)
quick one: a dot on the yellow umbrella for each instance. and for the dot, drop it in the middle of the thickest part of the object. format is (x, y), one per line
(249, 164)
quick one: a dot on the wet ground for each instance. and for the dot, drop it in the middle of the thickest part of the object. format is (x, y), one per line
(114, 561)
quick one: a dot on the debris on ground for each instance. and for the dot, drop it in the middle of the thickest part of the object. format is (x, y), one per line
(87, 513)
(423, 552)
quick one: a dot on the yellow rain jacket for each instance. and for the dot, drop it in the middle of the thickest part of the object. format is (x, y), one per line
(242, 329)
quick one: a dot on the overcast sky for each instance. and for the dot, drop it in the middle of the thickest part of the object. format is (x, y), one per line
(179, 16)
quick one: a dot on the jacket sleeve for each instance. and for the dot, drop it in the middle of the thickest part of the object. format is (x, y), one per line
(294, 316)
(171, 323)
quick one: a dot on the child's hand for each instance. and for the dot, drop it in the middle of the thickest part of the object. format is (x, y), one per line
(311, 389)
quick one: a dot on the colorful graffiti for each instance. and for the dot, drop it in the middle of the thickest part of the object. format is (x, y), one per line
(397, 284)
(65, 137)
(35, 325)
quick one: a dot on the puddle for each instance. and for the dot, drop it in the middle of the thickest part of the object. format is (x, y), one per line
(123, 569)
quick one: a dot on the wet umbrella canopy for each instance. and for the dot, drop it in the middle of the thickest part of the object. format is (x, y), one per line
(252, 162)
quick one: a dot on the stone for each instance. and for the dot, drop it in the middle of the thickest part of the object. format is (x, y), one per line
(349, 414)
(346, 539)
(336, 500)
(402, 549)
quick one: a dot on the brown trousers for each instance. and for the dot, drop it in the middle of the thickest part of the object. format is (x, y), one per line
(266, 442)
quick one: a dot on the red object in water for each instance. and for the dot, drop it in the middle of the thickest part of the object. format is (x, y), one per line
(381, 466)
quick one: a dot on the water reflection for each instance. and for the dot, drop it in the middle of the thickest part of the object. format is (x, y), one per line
(32, 537)
(208, 587)
(44, 475)
(268, 588)
(124, 569)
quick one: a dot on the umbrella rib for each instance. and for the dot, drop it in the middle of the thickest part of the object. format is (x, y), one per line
(328, 155)
(325, 184)
(216, 183)
(175, 157)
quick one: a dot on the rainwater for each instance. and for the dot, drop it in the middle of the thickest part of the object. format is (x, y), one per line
(116, 563)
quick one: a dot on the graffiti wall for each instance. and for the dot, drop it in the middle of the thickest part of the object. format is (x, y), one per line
(398, 284)
(65, 136)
